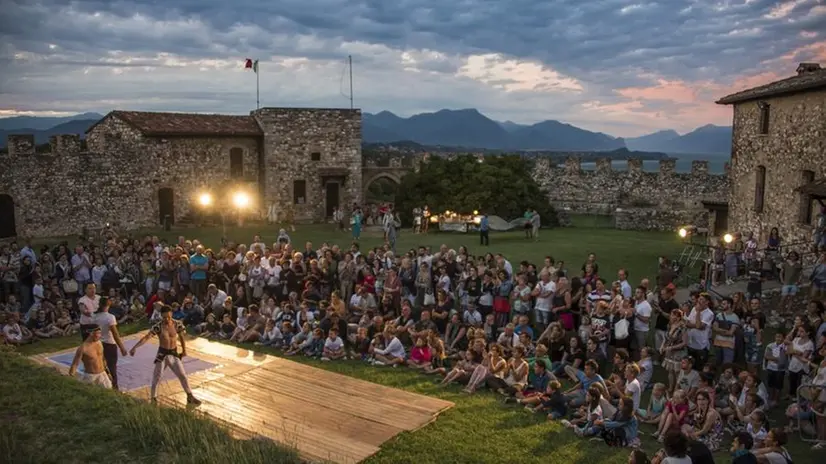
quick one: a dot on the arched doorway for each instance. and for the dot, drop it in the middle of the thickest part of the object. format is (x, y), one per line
(166, 206)
(8, 228)
(381, 189)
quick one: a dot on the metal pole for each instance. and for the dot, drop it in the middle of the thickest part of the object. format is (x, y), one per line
(257, 87)
(350, 60)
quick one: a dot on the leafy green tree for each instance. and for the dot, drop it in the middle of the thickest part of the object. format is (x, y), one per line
(500, 186)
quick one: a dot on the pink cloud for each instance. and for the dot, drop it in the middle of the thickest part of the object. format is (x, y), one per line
(693, 101)
(665, 90)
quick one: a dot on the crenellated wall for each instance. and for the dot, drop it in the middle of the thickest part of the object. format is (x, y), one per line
(66, 190)
(603, 190)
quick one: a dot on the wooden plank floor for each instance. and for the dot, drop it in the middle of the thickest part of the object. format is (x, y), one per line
(325, 416)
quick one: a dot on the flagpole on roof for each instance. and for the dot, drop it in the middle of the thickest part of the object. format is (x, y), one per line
(257, 87)
(249, 63)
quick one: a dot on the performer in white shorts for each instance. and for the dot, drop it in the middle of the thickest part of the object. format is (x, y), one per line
(169, 331)
(94, 364)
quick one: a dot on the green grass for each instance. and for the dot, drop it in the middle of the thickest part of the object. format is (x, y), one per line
(479, 429)
(49, 418)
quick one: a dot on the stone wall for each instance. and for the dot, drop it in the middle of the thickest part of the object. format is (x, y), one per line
(795, 144)
(291, 138)
(668, 220)
(62, 192)
(603, 190)
(121, 176)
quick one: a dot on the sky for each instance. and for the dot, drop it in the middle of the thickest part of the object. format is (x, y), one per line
(622, 67)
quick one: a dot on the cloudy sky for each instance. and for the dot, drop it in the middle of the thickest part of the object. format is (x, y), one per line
(626, 67)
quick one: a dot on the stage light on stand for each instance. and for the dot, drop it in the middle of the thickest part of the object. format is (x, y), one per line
(477, 220)
(434, 219)
(205, 199)
(475, 212)
(728, 238)
(241, 200)
(683, 232)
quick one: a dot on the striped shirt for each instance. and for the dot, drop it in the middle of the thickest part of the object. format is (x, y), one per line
(595, 297)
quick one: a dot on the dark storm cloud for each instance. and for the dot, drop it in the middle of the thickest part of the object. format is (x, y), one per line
(673, 36)
(604, 44)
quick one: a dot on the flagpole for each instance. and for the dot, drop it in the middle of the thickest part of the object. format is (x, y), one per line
(350, 60)
(257, 88)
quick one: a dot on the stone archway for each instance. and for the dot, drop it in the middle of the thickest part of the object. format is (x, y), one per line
(8, 227)
(379, 187)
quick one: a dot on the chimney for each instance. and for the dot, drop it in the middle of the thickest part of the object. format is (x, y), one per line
(808, 68)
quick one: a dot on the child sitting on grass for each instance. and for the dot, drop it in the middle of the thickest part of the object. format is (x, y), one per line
(656, 405)
(552, 400)
(209, 327)
(227, 327)
(675, 415)
(420, 355)
(438, 355)
(271, 337)
(623, 428)
(314, 347)
(584, 423)
(333, 346)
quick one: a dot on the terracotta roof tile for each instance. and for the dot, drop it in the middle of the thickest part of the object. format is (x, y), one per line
(812, 80)
(187, 124)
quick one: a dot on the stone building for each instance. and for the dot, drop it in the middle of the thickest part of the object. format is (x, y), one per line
(637, 199)
(778, 158)
(141, 167)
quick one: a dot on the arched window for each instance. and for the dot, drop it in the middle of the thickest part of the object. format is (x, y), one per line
(759, 188)
(236, 163)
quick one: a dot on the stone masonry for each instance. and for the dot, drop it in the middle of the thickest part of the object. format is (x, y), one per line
(130, 159)
(643, 196)
(319, 147)
(792, 153)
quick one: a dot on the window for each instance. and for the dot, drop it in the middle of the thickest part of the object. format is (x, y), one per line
(299, 192)
(236, 163)
(315, 156)
(804, 216)
(765, 112)
(759, 188)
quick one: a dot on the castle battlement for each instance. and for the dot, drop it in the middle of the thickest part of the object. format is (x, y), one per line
(603, 189)
(65, 143)
(20, 144)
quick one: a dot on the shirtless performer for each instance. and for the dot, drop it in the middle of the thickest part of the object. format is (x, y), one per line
(94, 365)
(169, 331)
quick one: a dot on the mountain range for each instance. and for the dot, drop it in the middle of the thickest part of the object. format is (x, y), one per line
(451, 128)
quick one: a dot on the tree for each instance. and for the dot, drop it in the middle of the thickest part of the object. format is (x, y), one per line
(500, 186)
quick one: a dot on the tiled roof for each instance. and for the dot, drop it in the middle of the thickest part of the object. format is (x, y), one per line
(804, 81)
(187, 124)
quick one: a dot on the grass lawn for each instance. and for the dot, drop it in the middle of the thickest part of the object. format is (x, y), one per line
(49, 418)
(479, 429)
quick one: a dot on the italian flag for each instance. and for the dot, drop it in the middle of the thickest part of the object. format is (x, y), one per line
(251, 64)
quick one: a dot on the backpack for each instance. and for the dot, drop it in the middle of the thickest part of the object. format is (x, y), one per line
(615, 437)
(621, 329)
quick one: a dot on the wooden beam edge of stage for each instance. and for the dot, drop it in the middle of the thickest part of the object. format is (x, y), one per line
(356, 438)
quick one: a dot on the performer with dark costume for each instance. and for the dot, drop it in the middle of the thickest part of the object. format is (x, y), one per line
(169, 331)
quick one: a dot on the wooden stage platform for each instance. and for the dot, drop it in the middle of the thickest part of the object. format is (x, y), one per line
(327, 417)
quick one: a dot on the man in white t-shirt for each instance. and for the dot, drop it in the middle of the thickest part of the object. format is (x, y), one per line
(642, 318)
(88, 305)
(544, 293)
(699, 322)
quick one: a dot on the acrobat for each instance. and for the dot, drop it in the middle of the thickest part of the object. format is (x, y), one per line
(94, 364)
(169, 331)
